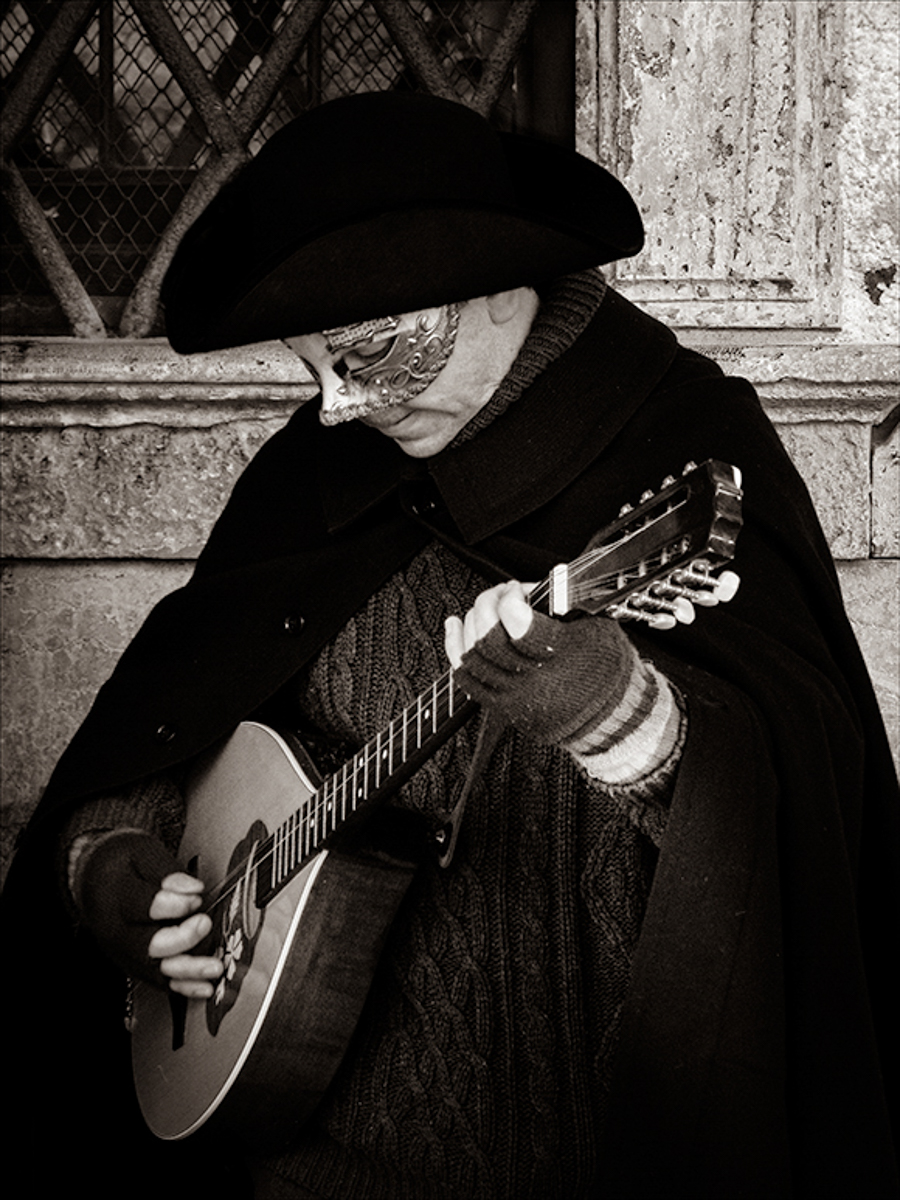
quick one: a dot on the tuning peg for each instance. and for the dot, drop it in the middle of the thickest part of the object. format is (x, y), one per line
(661, 621)
(688, 467)
(683, 611)
(645, 496)
(726, 586)
(668, 481)
(626, 509)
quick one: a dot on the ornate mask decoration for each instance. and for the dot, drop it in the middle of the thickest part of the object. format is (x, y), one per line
(403, 362)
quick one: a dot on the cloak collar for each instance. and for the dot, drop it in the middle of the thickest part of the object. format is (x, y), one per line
(542, 442)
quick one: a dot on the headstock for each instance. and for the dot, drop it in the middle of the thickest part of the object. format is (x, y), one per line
(658, 555)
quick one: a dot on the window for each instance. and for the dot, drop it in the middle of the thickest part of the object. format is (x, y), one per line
(123, 117)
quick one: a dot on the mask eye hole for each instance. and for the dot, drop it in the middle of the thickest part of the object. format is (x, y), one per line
(366, 354)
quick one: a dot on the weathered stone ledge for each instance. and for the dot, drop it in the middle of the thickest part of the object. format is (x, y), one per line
(66, 381)
(127, 450)
(113, 407)
(74, 360)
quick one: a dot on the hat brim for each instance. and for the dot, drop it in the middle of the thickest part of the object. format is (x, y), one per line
(362, 271)
(559, 213)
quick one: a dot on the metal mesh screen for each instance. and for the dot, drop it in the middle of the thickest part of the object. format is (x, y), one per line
(151, 97)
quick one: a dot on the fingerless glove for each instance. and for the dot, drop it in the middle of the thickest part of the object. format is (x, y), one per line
(557, 683)
(114, 888)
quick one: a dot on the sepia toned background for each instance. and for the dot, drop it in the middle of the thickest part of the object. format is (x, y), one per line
(759, 138)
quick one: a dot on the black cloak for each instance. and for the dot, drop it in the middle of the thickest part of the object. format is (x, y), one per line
(757, 1025)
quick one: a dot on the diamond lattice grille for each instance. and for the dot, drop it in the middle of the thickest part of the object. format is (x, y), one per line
(122, 119)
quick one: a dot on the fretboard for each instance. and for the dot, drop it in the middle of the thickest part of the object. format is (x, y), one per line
(377, 770)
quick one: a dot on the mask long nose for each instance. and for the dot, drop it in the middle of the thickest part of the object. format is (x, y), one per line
(336, 405)
(342, 401)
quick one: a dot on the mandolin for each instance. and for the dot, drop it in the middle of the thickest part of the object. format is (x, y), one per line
(305, 874)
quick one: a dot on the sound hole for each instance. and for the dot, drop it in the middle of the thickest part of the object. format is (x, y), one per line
(237, 923)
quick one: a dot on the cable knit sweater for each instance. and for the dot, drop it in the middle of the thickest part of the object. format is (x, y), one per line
(481, 1064)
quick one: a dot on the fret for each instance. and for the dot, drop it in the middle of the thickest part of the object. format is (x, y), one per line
(368, 771)
(321, 820)
(359, 790)
(329, 809)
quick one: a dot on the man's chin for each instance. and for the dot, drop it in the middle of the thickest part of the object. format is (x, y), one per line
(421, 445)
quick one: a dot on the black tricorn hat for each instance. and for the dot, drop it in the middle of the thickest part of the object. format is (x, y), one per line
(384, 203)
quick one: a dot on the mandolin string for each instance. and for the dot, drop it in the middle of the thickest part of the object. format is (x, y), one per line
(316, 805)
(366, 756)
(307, 824)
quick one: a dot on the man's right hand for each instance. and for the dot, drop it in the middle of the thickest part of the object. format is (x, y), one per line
(178, 899)
(143, 911)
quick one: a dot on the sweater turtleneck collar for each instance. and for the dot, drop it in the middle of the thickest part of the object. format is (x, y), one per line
(565, 311)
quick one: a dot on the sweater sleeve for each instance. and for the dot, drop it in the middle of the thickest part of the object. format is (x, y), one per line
(634, 754)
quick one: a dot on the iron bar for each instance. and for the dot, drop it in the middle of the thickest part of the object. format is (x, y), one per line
(140, 311)
(268, 79)
(171, 46)
(503, 54)
(64, 283)
(106, 82)
(401, 22)
(57, 43)
(234, 62)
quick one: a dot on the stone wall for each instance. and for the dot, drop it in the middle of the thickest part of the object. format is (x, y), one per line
(117, 455)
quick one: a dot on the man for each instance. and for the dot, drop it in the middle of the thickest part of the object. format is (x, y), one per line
(652, 965)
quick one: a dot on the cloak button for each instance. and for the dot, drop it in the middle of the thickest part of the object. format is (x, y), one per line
(165, 733)
(293, 623)
(423, 504)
